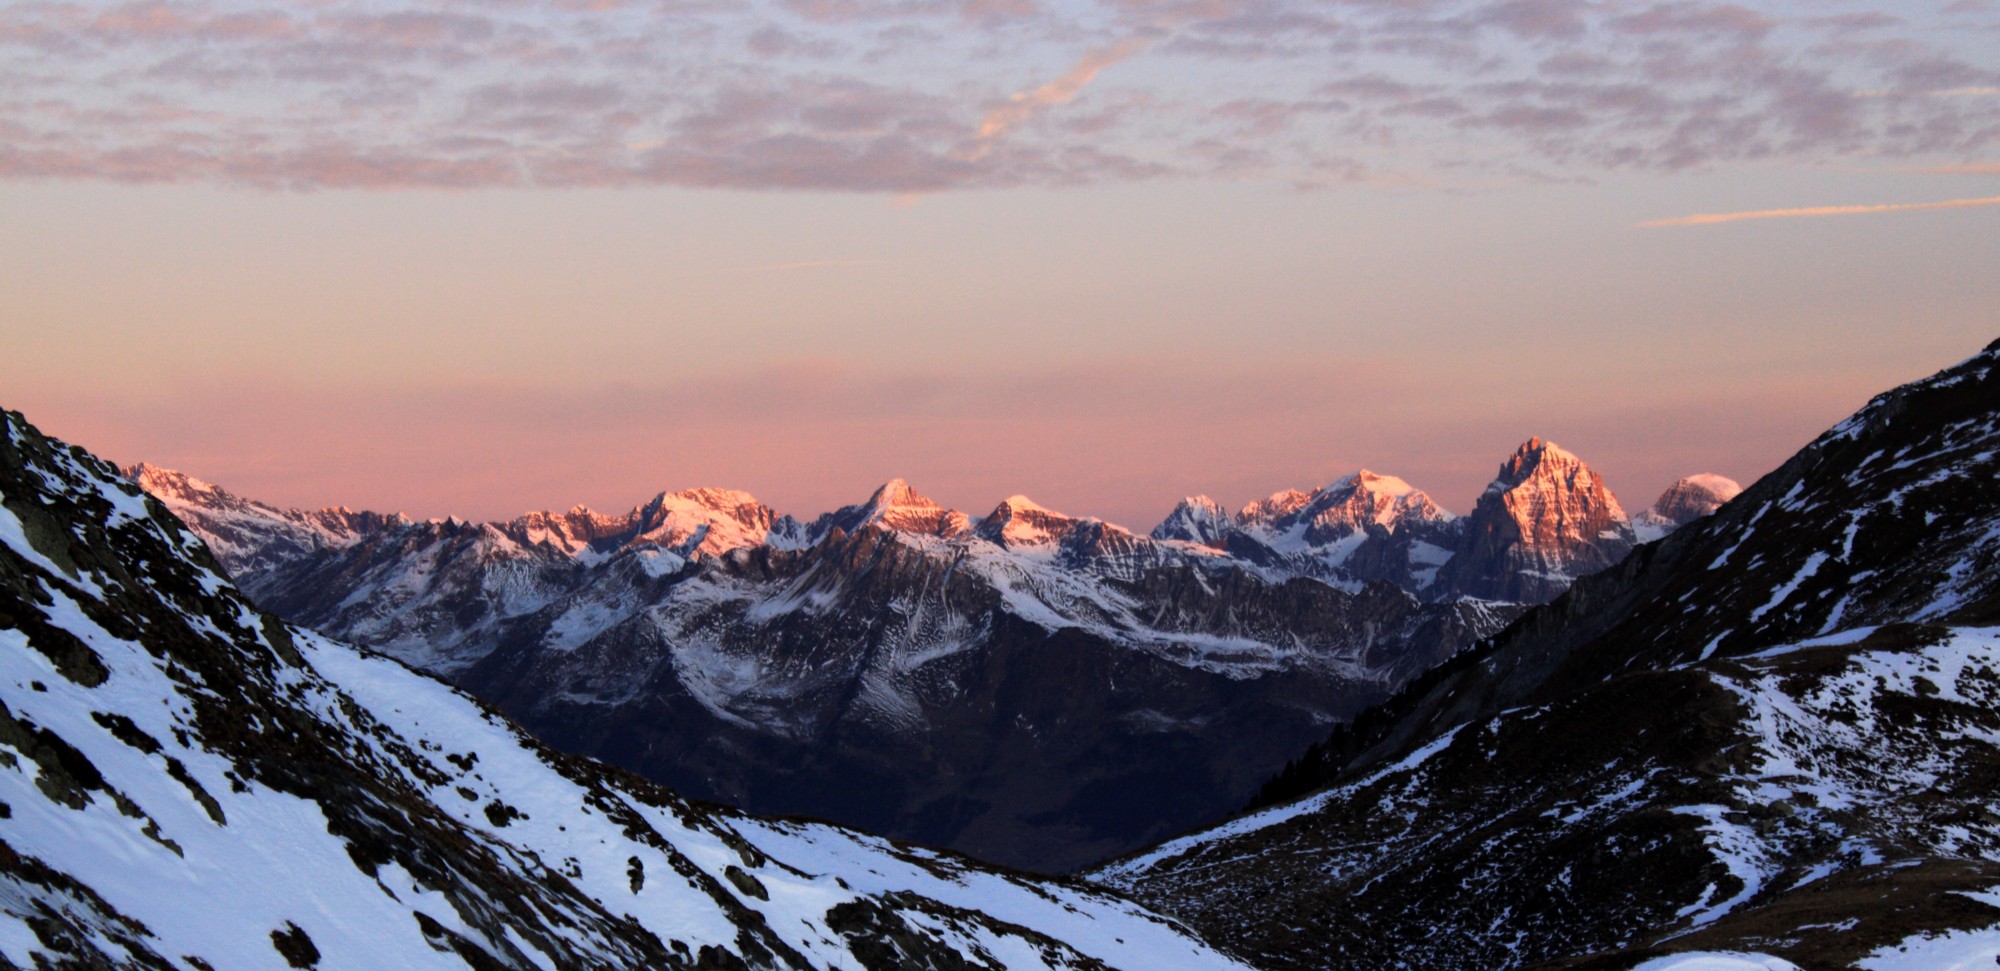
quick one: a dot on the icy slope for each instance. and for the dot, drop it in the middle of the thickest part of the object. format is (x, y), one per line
(189, 783)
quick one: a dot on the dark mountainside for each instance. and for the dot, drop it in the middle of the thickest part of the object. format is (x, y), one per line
(187, 783)
(1776, 731)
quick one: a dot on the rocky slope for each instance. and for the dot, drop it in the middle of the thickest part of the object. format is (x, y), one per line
(1774, 732)
(188, 783)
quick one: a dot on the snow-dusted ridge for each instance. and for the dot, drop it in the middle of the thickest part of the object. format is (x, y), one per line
(189, 783)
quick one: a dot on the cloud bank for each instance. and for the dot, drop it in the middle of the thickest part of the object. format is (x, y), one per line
(899, 96)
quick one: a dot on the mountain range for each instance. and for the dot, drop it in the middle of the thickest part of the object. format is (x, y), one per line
(1034, 689)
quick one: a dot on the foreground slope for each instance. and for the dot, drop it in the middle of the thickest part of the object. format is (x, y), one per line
(188, 783)
(1776, 731)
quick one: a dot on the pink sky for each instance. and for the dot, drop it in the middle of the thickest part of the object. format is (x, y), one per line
(474, 259)
(1122, 441)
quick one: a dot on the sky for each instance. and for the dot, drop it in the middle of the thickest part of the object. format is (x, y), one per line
(465, 258)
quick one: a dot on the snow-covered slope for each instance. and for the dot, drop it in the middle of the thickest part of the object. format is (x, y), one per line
(186, 782)
(1773, 732)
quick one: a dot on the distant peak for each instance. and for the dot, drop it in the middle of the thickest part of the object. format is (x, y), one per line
(1535, 455)
(170, 484)
(1719, 485)
(1690, 499)
(1019, 503)
(898, 507)
(1381, 485)
(713, 498)
(897, 493)
(1539, 446)
(1275, 505)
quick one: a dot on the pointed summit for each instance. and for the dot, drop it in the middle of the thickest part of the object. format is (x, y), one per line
(1197, 519)
(899, 507)
(894, 506)
(1345, 508)
(171, 486)
(1020, 521)
(1533, 457)
(1275, 506)
(1545, 520)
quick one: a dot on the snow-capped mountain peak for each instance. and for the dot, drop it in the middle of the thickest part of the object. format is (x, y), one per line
(1684, 502)
(1381, 485)
(898, 507)
(1020, 521)
(247, 535)
(1273, 506)
(1294, 521)
(1196, 519)
(1537, 458)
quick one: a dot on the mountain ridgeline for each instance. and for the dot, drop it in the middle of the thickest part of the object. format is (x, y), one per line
(1772, 734)
(1031, 688)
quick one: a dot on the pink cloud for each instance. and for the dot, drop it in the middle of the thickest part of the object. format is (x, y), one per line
(915, 97)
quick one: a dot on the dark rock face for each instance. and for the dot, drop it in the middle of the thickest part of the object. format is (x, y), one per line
(1772, 731)
(188, 783)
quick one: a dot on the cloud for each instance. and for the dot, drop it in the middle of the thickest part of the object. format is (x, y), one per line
(1023, 106)
(912, 96)
(1964, 168)
(812, 265)
(1710, 219)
